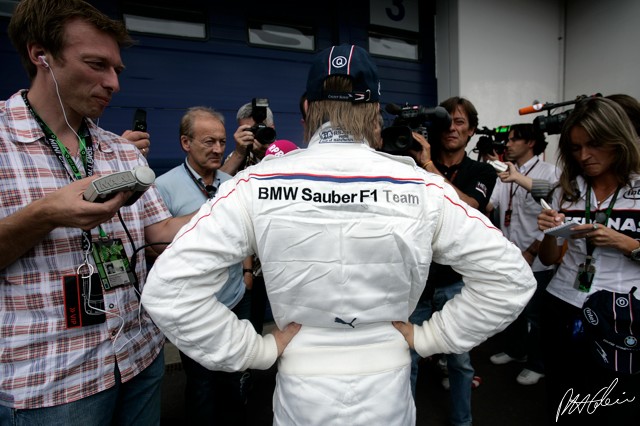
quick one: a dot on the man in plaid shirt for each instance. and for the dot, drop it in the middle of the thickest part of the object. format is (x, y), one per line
(75, 346)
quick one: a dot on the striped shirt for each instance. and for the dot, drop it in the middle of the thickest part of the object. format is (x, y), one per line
(42, 362)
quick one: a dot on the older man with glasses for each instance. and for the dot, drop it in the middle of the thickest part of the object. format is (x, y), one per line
(208, 394)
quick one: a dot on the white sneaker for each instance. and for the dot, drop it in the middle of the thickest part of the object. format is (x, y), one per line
(442, 365)
(528, 377)
(445, 383)
(504, 358)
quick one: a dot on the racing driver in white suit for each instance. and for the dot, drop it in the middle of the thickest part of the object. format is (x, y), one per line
(345, 235)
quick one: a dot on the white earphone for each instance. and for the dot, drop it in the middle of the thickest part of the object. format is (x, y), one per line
(43, 61)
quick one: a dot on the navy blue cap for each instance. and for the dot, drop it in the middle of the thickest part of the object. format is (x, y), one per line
(349, 60)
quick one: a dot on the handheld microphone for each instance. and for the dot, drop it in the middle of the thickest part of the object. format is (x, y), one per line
(280, 147)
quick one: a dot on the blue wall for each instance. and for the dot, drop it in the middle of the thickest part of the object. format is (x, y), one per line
(167, 75)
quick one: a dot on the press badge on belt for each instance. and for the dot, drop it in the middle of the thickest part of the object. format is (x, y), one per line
(112, 263)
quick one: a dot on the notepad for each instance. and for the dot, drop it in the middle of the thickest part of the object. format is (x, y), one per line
(563, 230)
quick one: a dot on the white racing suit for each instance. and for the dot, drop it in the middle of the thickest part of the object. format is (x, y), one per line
(345, 235)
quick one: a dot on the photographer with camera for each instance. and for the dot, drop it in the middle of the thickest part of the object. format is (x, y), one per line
(256, 130)
(255, 133)
(208, 394)
(473, 181)
(492, 142)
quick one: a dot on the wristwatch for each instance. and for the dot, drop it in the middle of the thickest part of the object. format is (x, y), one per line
(635, 254)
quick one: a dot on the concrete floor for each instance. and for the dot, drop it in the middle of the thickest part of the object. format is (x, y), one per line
(499, 401)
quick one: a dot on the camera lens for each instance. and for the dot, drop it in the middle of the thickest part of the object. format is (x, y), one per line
(396, 139)
(263, 134)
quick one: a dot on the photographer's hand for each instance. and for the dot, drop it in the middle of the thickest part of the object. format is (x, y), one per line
(244, 141)
(423, 157)
(244, 138)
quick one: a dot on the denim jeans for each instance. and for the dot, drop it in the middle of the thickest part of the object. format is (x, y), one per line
(136, 402)
(459, 365)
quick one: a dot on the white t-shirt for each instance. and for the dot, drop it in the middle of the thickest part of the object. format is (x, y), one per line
(523, 229)
(614, 271)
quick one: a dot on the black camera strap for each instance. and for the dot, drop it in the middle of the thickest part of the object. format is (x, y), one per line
(209, 191)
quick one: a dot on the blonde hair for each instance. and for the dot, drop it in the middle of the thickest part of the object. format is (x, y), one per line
(356, 119)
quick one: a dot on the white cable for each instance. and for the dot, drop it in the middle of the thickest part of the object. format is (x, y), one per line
(121, 318)
(55, 82)
(64, 114)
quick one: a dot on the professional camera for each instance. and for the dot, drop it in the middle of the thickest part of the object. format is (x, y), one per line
(492, 140)
(552, 124)
(397, 138)
(263, 134)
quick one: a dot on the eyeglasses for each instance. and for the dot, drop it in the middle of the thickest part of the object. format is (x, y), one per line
(209, 142)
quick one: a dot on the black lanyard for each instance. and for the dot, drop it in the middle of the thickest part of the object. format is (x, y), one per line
(209, 191)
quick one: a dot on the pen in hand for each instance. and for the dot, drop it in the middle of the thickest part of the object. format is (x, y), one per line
(545, 205)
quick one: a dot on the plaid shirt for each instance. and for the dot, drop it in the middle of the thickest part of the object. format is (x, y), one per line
(42, 363)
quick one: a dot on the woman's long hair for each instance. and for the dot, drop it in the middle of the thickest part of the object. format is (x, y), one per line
(607, 125)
